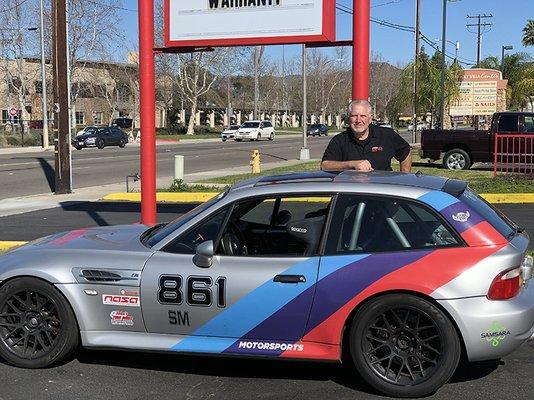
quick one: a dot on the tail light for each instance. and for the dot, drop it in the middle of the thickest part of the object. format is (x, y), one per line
(506, 285)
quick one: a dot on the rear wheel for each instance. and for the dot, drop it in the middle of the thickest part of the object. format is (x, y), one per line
(122, 143)
(37, 326)
(404, 346)
(456, 159)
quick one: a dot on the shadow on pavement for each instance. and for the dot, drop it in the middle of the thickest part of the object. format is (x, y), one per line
(48, 172)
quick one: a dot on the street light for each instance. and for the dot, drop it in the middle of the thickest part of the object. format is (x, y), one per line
(503, 48)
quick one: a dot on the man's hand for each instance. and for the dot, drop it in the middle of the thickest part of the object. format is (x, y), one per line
(360, 165)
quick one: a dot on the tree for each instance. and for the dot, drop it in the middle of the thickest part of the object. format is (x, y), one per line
(528, 33)
(515, 68)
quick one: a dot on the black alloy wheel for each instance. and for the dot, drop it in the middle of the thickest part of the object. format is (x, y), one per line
(100, 143)
(404, 346)
(122, 143)
(37, 326)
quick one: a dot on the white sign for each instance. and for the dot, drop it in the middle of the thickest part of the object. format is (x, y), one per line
(248, 22)
(13, 112)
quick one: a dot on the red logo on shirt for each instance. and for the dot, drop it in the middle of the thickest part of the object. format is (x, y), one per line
(376, 149)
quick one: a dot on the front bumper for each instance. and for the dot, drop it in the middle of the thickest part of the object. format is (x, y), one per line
(494, 329)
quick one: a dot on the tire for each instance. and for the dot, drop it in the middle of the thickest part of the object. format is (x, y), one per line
(271, 136)
(456, 159)
(122, 143)
(100, 143)
(40, 330)
(238, 140)
(391, 355)
(78, 147)
(224, 140)
(258, 138)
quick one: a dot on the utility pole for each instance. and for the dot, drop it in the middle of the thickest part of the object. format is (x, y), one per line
(415, 65)
(43, 78)
(443, 66)
(256, 81)
(480, 30)
(304, 151)
(63, 182)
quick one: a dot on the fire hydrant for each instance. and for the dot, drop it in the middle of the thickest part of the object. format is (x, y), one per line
(255, 162)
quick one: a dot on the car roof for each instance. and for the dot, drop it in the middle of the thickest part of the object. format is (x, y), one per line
(419, 180)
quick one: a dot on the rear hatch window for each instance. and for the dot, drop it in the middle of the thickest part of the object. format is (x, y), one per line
(504, 225)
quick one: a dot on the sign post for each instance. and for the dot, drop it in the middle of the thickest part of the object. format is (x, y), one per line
(360, 49)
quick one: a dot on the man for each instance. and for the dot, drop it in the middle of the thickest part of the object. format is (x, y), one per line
(366, 147)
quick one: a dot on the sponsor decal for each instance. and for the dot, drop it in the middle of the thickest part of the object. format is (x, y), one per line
(179, 318)
(120, 300)
(495, 334)
(123, 318)
(270, 346)
(461, 216)
(298, 230)
(377, 149)
(129, 292)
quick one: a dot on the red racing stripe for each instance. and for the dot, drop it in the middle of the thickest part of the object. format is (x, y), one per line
(483, 234)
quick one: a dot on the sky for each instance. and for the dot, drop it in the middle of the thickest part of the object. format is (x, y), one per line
(396, 46)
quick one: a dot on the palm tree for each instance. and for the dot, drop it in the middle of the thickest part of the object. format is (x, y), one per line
(528, 33)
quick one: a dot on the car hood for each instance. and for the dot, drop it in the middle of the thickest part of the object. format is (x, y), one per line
(86, 136)
(113, 238)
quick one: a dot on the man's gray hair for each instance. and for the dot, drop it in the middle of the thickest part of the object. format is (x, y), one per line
(360, 103)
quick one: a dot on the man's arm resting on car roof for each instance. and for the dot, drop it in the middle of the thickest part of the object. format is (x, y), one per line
(406, 164)
(359, 165)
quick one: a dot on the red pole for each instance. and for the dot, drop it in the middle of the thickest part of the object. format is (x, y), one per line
(147, 100)
(360, 49)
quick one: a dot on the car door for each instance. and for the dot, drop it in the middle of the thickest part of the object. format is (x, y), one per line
(251, 291)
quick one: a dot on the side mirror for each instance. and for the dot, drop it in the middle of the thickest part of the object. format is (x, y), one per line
(204, 254)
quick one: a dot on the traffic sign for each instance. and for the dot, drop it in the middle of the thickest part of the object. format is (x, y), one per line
(13, 112)
(93, 113)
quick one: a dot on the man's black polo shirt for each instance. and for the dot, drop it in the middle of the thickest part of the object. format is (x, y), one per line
(379, 148)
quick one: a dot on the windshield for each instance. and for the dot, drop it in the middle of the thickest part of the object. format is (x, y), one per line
(156, 235)
(315, 126)
(250, 125)
(234, 127)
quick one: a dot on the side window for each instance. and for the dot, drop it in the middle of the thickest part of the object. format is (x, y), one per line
(275, 227)
(529, 124)
(508, 123)
(268, 125)
(205, 230)
(366, 224)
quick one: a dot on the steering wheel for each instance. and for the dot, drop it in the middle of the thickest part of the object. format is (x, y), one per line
(233, 241)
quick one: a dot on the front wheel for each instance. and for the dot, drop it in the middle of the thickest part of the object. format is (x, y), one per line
(100, 143)
(271, 136)
(258, 138)
(456, 159)
(404, 346)
(37, 326)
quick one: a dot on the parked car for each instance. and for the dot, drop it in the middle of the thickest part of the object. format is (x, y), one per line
(255, 130)
(403, 274)
(420, 126)
(122, 122)
(317, 130)
(100, 137)
(229, 132)
(384, 124)
(461, 148)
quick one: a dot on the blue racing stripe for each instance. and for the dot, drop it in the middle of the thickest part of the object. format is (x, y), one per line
(202, 344)
(331, 264)
(438, 200)
(255, 307)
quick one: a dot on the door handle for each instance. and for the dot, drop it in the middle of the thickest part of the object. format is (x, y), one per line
(289, 278)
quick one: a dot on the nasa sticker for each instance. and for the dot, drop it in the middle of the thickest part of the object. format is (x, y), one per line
(461, 216)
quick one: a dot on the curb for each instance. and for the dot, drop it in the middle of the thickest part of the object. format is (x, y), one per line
(161, 197)
(4, 246)
(200, 197)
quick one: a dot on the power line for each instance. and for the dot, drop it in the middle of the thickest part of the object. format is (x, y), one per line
(96, 3)
(409, 29)
(479, 32)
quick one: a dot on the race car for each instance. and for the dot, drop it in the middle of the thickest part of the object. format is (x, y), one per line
(401, 273)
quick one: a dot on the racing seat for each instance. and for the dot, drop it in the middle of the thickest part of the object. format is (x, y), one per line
(307, 231)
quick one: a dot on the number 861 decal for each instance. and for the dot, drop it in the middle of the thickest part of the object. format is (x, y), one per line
(198, 290)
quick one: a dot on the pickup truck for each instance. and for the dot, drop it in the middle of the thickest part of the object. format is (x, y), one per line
(461, 148)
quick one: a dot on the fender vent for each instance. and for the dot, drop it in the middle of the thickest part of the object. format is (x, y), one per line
(94, 275)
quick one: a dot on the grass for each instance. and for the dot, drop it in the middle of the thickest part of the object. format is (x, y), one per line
(481, 181)
(179, 186)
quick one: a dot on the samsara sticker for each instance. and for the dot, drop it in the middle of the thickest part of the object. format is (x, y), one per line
(461, 216)
(119, 300)
(495, 334)
(121, 318)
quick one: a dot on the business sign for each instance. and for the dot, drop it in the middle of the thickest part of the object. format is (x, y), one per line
(478, 92)
(199, 23)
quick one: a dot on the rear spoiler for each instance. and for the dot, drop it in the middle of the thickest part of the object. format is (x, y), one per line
(454, 187)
